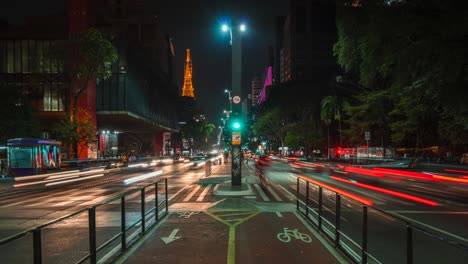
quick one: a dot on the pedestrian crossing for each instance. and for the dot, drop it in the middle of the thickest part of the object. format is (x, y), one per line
(192, 193)
(273, 193)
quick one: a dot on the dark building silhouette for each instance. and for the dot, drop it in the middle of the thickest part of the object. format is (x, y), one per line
(135, 110)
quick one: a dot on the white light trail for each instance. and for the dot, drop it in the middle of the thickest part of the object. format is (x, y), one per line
(142, 177)
(25, 178)
(73, 180)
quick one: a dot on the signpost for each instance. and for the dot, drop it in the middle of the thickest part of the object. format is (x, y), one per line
(367, 137)
(236, 138)
(236, 99)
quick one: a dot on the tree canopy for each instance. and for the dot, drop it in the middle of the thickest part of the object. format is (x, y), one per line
(87, 56)
(200, 131)
(411, 59)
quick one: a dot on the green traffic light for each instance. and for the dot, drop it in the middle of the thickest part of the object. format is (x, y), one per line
(236, 125)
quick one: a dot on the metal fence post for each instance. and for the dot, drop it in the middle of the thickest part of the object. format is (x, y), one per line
(364, 235)
(123, 225)
(92, 234)
(297, 194)
(307, 200)
(337, 220)
(409, 244)
(320, 208)
(143, 222)
(165, 189)
(37, 246)
(156, 201)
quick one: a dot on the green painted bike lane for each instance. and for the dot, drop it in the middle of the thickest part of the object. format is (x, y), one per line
(233, 230)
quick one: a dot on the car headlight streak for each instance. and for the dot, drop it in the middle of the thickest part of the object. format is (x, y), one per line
(143, 177)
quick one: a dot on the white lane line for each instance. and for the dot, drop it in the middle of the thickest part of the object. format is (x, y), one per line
(430, 212)
(276, 196)
(60, 197)
(264, 197)
(279, 214)
(288, 194)
(63, 203)
(203, 194)
(192, 194)
(28, 200)
(433, 228)
(174, 195)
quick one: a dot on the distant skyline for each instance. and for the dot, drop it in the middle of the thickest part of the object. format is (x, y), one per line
(196, 25)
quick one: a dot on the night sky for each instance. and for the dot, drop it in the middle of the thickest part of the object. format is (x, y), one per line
(196, 25)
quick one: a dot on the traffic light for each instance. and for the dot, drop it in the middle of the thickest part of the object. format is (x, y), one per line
(236, 125)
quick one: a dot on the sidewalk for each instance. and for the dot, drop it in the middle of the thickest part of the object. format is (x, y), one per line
(232, 229)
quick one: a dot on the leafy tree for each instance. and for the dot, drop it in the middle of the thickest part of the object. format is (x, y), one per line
(412, 57)
(331, 109)
(17, 118)
(272, 125)
(88, 56)
(82, 131)
(199, 131)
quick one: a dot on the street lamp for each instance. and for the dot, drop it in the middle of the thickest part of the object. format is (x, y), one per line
(230, 98)
(236, 44)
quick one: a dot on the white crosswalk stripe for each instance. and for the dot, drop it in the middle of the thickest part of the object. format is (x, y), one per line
(262, 193)
(276, 196)
(289, 195)
(192, 193)
(203, 194)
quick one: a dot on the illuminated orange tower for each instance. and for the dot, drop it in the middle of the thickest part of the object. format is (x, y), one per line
(187, 89)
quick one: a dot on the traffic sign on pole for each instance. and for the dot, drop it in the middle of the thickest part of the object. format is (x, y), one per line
(236, 138)
(236, 99)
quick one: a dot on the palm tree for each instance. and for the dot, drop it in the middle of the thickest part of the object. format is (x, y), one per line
(331, 109)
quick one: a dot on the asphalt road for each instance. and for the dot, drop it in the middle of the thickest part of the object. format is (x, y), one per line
(30, 206)
(26, 207)
(386, 236)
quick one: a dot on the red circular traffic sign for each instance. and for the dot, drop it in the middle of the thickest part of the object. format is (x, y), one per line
(236, 99)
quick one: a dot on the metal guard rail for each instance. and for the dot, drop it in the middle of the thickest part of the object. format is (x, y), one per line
(363, 247)
(93, 249)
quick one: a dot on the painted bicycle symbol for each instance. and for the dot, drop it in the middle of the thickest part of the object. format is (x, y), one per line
(288, 233)
(187, 214)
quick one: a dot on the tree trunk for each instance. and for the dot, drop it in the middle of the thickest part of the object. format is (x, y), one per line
(341, 141)
(328, 142)
(74, 122)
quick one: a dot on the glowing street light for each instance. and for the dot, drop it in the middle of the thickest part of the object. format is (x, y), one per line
(242, 27)
(236, 126)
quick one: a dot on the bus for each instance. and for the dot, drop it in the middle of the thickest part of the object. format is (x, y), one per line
(29, 156)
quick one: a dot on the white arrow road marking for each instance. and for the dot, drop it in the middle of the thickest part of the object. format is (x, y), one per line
(171, 237)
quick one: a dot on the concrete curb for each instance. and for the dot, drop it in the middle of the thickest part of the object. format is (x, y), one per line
(225, 189)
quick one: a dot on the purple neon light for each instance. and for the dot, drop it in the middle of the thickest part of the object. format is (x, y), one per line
(268, 82)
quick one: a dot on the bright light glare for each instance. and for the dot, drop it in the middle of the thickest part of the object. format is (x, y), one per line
(73, 180)
(242, 27)
(224, 28)
(24, 178)
(382, 190)
(144, 176)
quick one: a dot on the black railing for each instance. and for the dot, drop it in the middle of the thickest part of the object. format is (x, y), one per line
(326, 207)
(147, 219)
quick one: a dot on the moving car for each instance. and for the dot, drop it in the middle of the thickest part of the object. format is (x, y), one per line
(198, 162)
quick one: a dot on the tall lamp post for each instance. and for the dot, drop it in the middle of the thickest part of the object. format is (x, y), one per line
(236, 127)
(230, 98)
